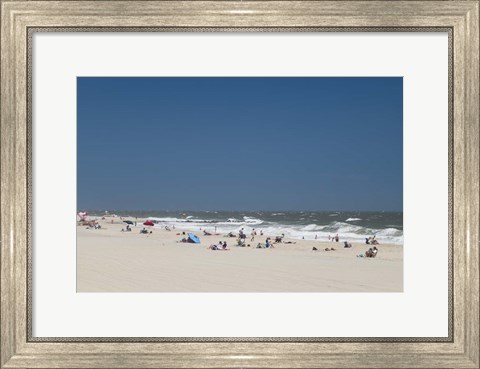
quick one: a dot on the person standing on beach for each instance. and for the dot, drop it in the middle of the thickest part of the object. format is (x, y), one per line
(253, 235)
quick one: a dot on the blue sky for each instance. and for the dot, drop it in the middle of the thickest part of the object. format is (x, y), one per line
(283, 143)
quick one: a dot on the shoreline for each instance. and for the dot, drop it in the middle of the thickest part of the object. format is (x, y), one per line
(349, 229)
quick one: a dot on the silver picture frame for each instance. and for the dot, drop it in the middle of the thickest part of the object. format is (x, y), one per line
(20, 20)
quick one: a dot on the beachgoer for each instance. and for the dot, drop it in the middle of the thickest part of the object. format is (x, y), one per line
(261, 233)
(224, 246)
(315, 236)
(253, 235)
(337, 238)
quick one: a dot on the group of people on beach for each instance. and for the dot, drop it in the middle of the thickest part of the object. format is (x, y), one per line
(336, 238)
(370, 253)
(219, 246)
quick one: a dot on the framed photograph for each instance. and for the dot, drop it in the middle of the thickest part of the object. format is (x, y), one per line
(239, 184)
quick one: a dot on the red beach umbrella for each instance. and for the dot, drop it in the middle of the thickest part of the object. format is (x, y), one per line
(148, 223)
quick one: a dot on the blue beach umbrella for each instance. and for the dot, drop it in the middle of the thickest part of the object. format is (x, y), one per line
(192, 238)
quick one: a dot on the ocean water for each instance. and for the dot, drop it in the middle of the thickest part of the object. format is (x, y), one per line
(350, 226)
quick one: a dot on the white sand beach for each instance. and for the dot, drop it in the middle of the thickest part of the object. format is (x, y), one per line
(109, 260)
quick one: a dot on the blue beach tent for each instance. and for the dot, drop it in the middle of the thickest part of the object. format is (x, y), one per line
(192, 238)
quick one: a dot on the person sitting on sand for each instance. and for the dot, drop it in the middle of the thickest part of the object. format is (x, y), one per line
(314, 248)
(224, 246)
(267, 243)
(212, 247)
(167, 228)
(205, 233)
(231, 234)
(347, 245)
(367, 240)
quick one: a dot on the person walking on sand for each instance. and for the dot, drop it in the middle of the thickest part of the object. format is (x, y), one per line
(253, 235)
